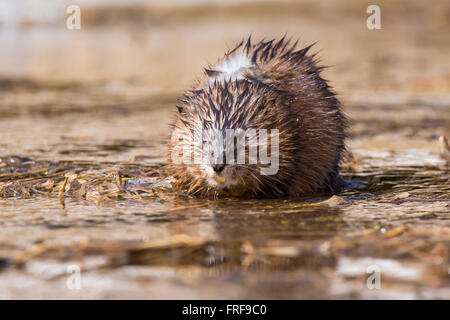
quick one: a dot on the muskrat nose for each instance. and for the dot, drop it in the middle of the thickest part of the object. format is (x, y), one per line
(218, 167)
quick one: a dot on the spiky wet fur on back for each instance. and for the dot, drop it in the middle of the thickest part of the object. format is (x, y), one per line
(267, 85)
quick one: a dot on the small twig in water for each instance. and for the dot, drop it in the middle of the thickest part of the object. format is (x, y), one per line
(62, 191)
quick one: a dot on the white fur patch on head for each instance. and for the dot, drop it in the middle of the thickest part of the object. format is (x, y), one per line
(232, 68)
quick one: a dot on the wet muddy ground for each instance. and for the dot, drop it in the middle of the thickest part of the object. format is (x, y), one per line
(84, 117)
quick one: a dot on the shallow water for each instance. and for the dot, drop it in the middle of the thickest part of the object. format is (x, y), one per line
(82, 180)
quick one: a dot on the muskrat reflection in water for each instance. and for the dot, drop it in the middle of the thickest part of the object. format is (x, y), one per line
(269, 85)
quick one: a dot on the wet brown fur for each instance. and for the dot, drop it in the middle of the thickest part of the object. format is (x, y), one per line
(282, 90)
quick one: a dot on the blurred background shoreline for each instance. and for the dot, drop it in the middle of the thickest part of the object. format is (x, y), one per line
(164, 45)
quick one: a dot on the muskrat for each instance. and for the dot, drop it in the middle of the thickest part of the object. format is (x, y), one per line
(268, 85)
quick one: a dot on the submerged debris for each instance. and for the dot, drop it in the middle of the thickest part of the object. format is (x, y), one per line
(24, 178)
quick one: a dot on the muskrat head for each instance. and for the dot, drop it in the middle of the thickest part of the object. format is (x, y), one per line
(221, 139)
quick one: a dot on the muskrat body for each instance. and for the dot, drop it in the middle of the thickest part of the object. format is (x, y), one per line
(268, 85)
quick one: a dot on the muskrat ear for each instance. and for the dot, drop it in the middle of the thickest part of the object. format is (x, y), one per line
(211, 73)
(180, 109)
